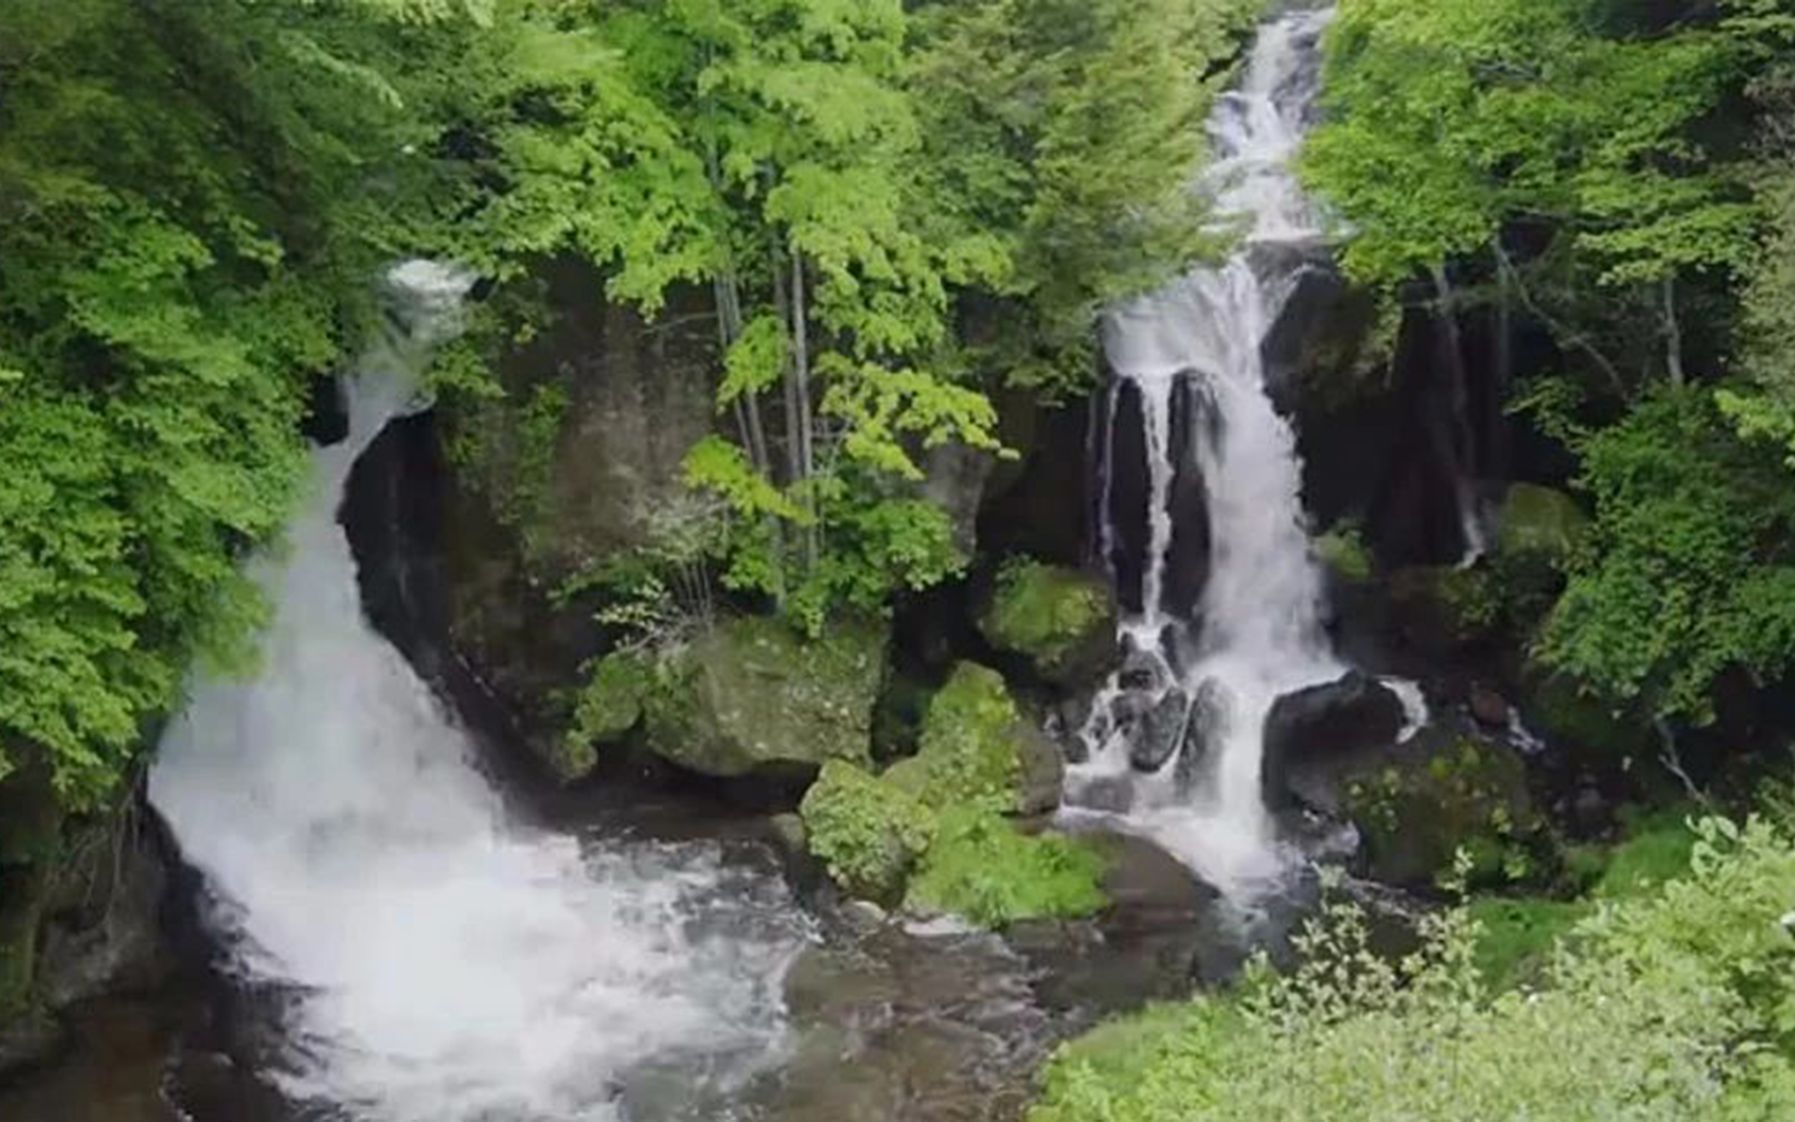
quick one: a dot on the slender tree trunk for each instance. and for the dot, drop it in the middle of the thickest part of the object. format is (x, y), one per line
(794, 441)
(1673, 335)
(801, 372)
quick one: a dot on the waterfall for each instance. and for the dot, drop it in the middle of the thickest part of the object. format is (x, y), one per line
(438, 961)
(1259, 631)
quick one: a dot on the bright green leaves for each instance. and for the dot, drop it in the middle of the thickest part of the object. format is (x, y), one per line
(1062, 139)
(755, 362)
(885, 407)
(1450, 120)
(1689, 572)
(192, 209)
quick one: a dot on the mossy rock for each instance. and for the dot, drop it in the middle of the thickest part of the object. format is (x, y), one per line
(1061, 620)
(752, 695)
(868, 831)
(1440, 608)
(1559, 709)
(976, 746)
(1469, 795)
(1540, 521)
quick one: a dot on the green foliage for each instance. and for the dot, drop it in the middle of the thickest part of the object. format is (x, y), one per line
(1450, 119)
(980, 867)
(158, 343)
(1688, 571)
(1517, 935)
(1062, 137)
(1343, 550)
(867, 831)
(611, 703)
(1047, 613)
(1667, 1006)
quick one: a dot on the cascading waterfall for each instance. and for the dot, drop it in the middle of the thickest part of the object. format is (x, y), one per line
(1260, 630)
(440, 962)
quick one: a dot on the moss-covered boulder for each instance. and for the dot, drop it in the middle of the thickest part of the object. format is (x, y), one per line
(752, 696)
(1439, 609)
(1581, 726)
(1415, 815)
(1540, 521)
(867, 830)
(978, 747)
(1061, 620)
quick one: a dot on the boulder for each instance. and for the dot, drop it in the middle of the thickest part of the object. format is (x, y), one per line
(1439, 610)
(1323, 724)
(1208, 714)
(1160, 732)
(1062, 621)
(1489, 707)
(1111, 794)
(1541, 521)
(752, 696)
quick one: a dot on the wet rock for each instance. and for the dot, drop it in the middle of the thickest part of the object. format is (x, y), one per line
(1162, 933)
(1142, 671)
(1489, 707)
(1042, 770)
(1208, 714)
(1112, 794)
(1320, 725)
(1072, 721)
(1161, 732)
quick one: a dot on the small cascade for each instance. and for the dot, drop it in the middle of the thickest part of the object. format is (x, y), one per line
(1182, 726)
(435, 960)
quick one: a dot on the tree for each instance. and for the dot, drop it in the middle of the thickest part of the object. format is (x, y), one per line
(1450, 124)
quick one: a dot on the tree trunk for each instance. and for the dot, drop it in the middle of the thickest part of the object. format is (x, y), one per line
(801, 372)
(1673, 335)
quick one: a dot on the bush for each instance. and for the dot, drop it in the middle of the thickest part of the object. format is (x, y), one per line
(867, 831)
(1673, 1006)
(980, 867)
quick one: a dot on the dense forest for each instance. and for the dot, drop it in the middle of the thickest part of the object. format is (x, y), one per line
(880, 239)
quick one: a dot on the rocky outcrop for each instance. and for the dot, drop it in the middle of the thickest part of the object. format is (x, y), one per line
(1310, 732)
(79, 906)
(751, 696)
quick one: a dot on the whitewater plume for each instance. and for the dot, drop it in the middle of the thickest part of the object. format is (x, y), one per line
(442, 962)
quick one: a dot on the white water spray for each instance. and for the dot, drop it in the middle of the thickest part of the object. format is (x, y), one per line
(443, 964)
(1261, 629)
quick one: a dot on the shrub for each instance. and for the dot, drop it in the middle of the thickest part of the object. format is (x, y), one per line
(1673, 1006)
(980, 867)
(867, 831)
